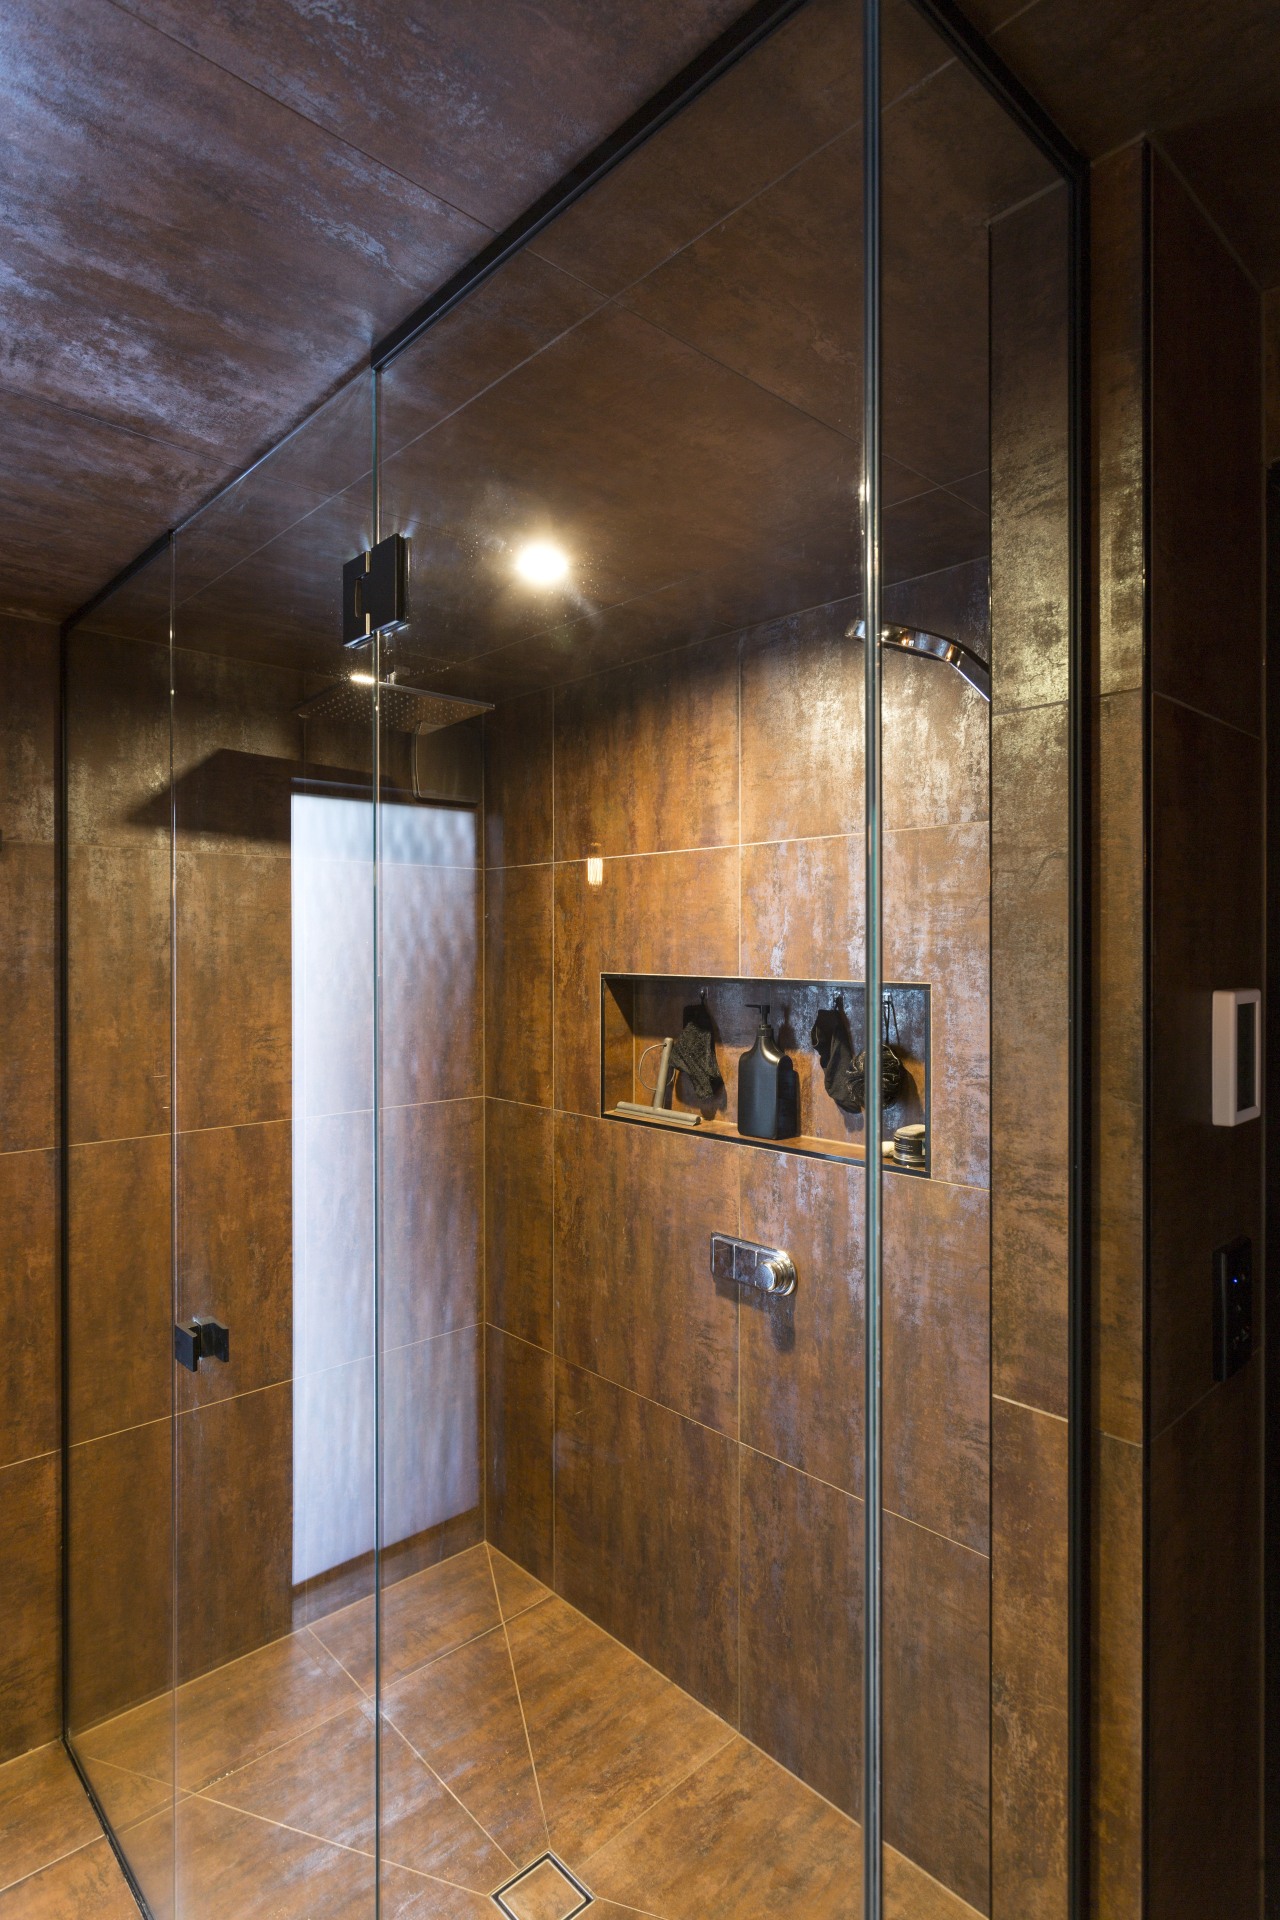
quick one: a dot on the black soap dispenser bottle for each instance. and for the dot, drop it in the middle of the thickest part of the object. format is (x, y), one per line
(767, 1086)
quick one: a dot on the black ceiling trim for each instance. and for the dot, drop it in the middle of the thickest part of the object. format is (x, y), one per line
(118, 580)
(747, 32)
(999, 79)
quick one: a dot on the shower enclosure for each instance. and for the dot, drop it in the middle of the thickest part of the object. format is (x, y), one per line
(464, 1514)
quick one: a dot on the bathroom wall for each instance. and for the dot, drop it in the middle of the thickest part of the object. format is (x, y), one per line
(29, 1312)
(683, 1467)
(1177, 1504)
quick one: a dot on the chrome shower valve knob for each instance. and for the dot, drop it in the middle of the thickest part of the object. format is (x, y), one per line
(768, 1269)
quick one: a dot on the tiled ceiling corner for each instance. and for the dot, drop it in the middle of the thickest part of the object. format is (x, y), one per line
(209, 214)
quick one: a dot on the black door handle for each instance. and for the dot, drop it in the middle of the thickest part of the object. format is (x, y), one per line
(200, 1339)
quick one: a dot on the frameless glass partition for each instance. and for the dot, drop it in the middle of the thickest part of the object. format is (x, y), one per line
(477, 835)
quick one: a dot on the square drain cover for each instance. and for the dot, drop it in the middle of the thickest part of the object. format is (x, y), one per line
(544, 1890)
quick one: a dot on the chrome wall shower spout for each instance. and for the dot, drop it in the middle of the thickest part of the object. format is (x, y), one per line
(935, 646)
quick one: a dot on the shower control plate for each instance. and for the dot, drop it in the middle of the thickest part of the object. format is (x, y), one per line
(767, 1269)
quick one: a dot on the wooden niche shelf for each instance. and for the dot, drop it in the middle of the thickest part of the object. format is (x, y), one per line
(638, 1010)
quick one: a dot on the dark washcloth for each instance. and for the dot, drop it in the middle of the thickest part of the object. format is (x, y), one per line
(830, 1035)
(694, 1052)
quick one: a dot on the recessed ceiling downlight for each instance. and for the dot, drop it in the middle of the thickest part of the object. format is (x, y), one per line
(542, 563)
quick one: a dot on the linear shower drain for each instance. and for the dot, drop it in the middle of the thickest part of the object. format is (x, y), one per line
(544, 1890)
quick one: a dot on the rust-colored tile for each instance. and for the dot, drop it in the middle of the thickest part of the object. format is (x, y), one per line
(802, 731)
(518, 1219)
(234, 1465)
(801, 1639)
(118, 720)
(935, 734)
(516, 1589)
(1118, 1711)
(119, 1630)
(1204, 1653)
(1206, 892)
(429, 956)
(118, 974)
(635, 1299)
(937, 1667)
(324, 1784)
(44, 1812)
(608, 1735)
(120, 1285)
(28, 920)
(741, 1839)
(935, 1360)
(518, 1009)
(1205, 388)
(432, 1434)
(517, 782)
(29, 729)
(432, 1219)
(422, 1617)
(127, 1799)
(640, 1488)
(1119, 339)
(802, 910)
(235, 1253)
(462, 1715)
(937, 906)
(802, 1355)
(1029, 1773)
(519, 1423)
(236, 746)
(663, 913)
(29, 1384)
(646, 757)
(87, 1882)
(1030, 476)
(910, 1894)
(1030, 950)
(234, 994)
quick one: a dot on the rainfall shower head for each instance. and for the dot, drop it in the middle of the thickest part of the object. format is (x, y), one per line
(935, 646)
(407, 709)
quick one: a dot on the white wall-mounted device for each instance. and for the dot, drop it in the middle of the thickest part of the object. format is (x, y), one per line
(1237, 1057)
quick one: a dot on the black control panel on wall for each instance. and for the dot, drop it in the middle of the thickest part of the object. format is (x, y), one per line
(1232, 1307)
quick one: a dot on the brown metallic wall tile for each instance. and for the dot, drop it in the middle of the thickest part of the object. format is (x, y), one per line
(802, 909)
(1118, 1707)
(27, 921)
(118, 721)
(29, 1385)
(801, 1649)
(518, 1219)
(1118, 351)
(647, 1532)
(802, 1356)
(432, 1219)
(118, 973)
(1029, 1772)
(935, 1360)
(1206, 418)
(1206, 905)
(1030, 479)
(429, 934)
(935, 738)
(120, 1285)
(1030, 926)
(29, 1680)
(646, 758)
(234, 1509)
(937, 1706)
(662, 913)
(119, 1495)
(517, 966)
(235, 1007)
(937, 893)
(1204, 1598)
(802, 730)
(635, 1300)
(517, 782)
(519, 1421)
(235, 1253)
(28, 729)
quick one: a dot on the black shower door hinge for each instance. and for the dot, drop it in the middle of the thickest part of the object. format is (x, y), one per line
(375, 590)
(200, 1339)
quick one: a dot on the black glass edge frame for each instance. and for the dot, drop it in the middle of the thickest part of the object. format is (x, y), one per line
(759, 21)
(1073, 165)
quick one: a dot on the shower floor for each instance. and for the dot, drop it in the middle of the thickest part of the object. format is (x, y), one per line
(514, 1728)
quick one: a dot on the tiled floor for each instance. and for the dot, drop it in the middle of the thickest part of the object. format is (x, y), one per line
(514, 1730)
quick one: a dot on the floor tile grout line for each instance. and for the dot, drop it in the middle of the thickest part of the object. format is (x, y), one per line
(455, 1797)
(515, 1681)
(674, 1786)
(10, 1886)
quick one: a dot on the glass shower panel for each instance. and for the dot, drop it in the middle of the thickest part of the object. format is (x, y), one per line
(119, 1219)
(273, 761)
(622, 1532)
(975, 568)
